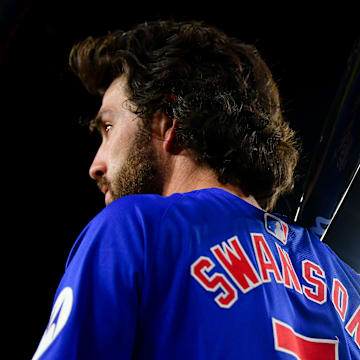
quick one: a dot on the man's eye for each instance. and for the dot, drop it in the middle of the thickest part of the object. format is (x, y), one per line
(107, 127)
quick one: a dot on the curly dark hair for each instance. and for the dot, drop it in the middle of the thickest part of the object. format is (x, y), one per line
(219, 88)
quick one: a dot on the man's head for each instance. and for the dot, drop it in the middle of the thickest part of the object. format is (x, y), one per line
(126, 162)
(217, 89)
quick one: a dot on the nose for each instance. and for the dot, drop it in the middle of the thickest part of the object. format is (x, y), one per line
(98, 168)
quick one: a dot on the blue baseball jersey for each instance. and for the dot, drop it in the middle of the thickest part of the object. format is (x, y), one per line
(201, 275)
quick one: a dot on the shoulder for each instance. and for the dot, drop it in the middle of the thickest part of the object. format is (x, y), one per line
(133, 208)
(330, 261)
(123, 224)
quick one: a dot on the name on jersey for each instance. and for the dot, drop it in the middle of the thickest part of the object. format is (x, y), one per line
(237, 265)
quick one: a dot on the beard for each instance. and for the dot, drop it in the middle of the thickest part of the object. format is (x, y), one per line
(141, 173)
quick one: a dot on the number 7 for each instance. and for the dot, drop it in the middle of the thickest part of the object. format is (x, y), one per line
(303, 347)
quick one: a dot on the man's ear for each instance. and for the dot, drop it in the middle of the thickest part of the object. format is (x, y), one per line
(169, 134)
(164, 129)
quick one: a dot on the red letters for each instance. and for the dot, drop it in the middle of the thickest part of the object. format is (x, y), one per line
(265, 259)
(353, 326)
(229, 295)
(339, 298)
(288, 272)
(237, 264)
(318, 294)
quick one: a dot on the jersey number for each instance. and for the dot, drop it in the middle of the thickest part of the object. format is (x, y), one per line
(303, 347)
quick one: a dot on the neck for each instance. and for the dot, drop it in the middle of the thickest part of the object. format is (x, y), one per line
(185, 176)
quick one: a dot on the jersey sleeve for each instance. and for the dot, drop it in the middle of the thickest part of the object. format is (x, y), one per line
(96, 305)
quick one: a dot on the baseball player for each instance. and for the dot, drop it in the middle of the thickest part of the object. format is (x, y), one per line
(187, 260)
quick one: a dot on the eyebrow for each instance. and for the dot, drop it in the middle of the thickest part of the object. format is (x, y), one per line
(97, 121)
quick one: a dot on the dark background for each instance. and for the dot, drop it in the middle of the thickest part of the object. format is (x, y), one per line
(48, 194)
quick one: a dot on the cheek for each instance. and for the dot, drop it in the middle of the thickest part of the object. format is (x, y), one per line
(119, 145)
